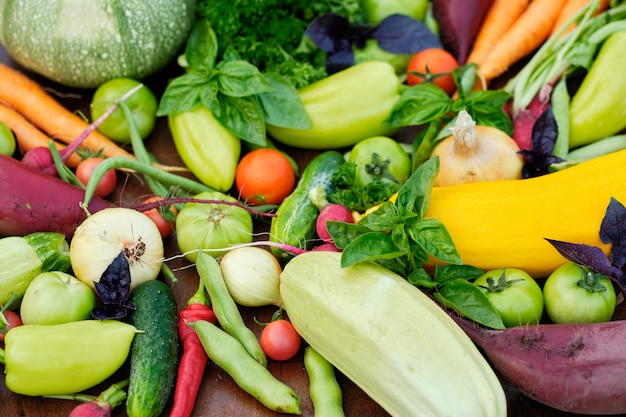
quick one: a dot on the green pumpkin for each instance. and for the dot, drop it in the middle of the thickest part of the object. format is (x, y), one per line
(85, 43)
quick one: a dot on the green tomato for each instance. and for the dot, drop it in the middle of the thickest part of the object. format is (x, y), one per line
(380, 157)
(514, 294)
(56, 297)
(575, 294)
(212, 226)
(7, 140)
(142, 104)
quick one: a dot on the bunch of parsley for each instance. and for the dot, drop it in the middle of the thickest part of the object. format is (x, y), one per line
(270, 33)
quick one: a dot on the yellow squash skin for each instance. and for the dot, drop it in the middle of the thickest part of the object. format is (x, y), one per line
(505, 223)
(389, 338)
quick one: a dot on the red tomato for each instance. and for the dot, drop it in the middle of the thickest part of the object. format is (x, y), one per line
(85, 169)
(279, 340)
(11, 319)
(264, 176)
(157, 216)
(432, 65)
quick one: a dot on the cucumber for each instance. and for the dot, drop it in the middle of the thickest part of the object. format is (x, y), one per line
(23, 258)
(294, 223)
(154, 353)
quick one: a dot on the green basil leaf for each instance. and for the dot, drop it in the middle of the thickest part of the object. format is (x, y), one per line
(431, 235)
(242, 117)
(181, 94)
(456, 271)
(282, 106)
(420, 278)
(369, 247)
(419, 104)
(344, 233)
(202, 47)
(467, 299)
(488, 101)
(414, 195)
(241, 79)
(465, 77)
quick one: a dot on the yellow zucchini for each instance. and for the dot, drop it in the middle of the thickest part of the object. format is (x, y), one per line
(505, 223)
(389, 338)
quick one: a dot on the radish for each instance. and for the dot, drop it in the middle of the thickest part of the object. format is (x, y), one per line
(577, 368)
(459, 21)
(32, 201)
(100, 406)
(331, 212)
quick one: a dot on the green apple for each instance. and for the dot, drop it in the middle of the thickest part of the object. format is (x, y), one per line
(56, 297)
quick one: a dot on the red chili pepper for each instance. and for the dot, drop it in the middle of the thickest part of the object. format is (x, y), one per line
(194, 358)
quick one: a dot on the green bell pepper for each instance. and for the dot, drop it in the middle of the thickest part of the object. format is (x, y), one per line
(598, 108)
(64, 358)
(206, 147)
(345, 108)
(376, 10)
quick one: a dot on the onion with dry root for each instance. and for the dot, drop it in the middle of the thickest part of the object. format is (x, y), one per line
(475, 153)
(104, 234)
(252, 276)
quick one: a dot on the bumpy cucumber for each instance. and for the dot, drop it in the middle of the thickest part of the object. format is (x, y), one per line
(154, 353)
(294, 223)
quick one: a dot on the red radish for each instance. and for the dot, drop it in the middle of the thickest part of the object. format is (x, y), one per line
(32, 201)
(577, 368)
(100, 406)
(328, 247)
(459, 22)
(331, 212)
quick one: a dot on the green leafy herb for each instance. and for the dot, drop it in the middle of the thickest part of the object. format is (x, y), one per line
(399, 236)
(240, 97)
(270, 33)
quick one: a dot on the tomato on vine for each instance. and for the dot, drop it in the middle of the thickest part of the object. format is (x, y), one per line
(432, 65)
(163, 217)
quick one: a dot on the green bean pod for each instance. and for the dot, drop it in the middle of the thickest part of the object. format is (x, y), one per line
(230, 355)
(225, 308)
(324, 389)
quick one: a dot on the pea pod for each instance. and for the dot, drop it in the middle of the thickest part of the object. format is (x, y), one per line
(230, 355)
(206, 147)
(598, 108)
(64, 358)
(345, 108)
(323, 386)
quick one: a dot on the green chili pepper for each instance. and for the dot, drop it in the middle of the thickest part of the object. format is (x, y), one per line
(345, 108)
(64, 358)
(325, 391)
(230, 355)
(225, 308)
(598, 108)
(209, 150)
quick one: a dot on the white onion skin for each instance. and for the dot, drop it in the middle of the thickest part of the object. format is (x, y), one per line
(101, 237)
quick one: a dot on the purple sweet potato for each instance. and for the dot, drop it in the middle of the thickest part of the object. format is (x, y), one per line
(459, 22)
(577, 368)
(31, 201)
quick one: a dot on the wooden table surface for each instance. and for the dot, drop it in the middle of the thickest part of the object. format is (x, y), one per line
(219, 395)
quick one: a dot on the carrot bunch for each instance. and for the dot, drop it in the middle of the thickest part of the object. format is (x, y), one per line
(513, 29)
(35, 117)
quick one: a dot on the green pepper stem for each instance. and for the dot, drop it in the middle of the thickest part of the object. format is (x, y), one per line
(200, 296)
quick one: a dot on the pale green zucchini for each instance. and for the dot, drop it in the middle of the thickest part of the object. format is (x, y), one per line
(389, 338)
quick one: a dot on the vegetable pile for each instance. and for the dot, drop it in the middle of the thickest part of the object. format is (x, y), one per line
(350, 207)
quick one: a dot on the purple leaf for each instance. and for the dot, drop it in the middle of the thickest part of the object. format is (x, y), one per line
(590, 256)
(401, 34)
(114, 290)
(612, 231)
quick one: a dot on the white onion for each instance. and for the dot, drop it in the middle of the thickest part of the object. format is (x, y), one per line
(101, 237)
(252, 275)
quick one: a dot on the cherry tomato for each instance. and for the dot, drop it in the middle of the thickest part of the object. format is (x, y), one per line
(85, 169)
(264, 176)
(575, 294)
(432, 65)
(279, 340)
(164, 217)
(143, 105)
(9, 320)
(514, 294)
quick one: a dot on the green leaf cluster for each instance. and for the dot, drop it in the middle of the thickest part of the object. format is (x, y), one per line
(400, 237)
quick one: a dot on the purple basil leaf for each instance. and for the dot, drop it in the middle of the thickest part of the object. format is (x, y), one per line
(114, 290)
(339, 60)
(401, 34)
(612, 231)
(590, 256)
(330, 33)
(539, 158)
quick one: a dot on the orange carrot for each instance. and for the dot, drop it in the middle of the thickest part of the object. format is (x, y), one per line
(29, 99)
(500, 16)
(528, 32)
(570, 9)
(29, 136)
